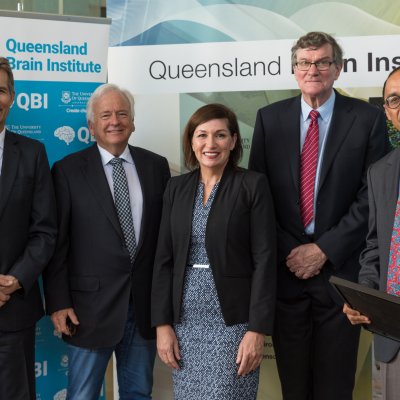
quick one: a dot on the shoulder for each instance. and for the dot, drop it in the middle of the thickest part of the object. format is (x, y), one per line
(144, 154)
(74, 159)
(249, 177)
(25, 142)
(184, 179)
(392, 158)
(280, 105)
(357, 105)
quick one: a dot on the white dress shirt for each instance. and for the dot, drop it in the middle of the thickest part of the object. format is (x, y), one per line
(135, 190)
(324, 122)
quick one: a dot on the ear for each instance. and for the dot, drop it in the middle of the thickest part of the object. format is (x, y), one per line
(338, 70)
(91, 128)
(234, 139)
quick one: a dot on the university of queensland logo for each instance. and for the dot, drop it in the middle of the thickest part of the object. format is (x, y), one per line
(66, 96)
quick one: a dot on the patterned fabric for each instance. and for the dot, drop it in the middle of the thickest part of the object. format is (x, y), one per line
(308, 169)
(208, 347)
(393, 276)
(123, 205)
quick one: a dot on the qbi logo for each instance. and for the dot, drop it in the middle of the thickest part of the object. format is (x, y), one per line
(40, 369)
(32, 101)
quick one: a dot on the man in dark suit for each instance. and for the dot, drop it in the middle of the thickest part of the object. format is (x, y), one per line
(383, 194)
(315, 150)
(28, 235)
(98, 284)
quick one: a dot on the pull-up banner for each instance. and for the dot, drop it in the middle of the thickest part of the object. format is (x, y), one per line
(57, 61)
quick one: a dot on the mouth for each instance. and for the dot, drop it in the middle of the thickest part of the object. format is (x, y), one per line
(210, 154)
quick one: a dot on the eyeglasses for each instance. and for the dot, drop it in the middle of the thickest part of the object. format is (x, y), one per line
(322, 65)
(393, 102)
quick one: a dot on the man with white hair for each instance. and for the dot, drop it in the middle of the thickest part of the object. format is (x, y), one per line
(98, 284)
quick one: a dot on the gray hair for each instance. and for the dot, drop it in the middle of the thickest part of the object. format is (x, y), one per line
(317, 40)
(102, 90)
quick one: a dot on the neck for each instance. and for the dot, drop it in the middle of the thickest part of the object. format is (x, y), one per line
(210, 177)
(316, 101)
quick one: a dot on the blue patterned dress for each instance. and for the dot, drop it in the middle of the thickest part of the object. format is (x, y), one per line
(208, 347)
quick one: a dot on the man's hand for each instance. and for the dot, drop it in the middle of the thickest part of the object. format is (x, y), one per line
(250, 353)
(59, 319)
(167, 346)
(354, 316)
(8, 285)
(306, 260)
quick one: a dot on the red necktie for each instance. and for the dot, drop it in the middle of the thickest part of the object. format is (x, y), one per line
(308, 169)
(393, 276)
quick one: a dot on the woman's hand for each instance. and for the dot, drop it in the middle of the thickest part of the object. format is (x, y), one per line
(250, 353)
(167, 346)
(354, 316)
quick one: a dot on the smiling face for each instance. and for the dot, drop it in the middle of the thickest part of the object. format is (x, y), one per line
(212, 143)
(392, 88)
(316, 86)
(112, 123)
(6, 98)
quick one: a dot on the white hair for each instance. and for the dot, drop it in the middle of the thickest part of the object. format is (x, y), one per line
(103, 89)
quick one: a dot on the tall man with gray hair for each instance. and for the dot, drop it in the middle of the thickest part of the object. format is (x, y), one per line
(315, 150)
(98, 284)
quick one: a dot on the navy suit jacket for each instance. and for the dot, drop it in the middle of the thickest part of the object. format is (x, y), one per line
(91, 269)
(28, 227)
(356, 138)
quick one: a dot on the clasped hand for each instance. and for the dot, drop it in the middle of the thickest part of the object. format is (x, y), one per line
(306, 260)
(8, 285)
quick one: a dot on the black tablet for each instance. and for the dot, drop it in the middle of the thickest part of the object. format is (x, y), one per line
(381, 308)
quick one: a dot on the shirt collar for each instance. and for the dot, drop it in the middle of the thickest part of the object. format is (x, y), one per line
(324, 111)
(106, 156)
(2, 136)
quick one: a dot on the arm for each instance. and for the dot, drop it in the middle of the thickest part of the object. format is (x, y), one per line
(42, 230)
(55, 276)
(340, 242)
(258, 162)
(369, 259)
(161, 296)
(263, 286)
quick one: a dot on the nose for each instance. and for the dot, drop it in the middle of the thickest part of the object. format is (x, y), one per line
(114, 120)
(313, 69)
(210, 141)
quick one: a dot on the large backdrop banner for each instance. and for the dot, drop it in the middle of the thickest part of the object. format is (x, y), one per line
(57, 63)
(175, 56)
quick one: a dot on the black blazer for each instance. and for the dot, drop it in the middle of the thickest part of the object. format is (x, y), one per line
(240, 244)
(357, 137)
(383, 191)
(91, 269)
(28, 227)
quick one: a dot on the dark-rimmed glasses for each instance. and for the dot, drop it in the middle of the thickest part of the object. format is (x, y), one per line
(322, 65)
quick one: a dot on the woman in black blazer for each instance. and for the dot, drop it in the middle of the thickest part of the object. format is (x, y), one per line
(214, 281)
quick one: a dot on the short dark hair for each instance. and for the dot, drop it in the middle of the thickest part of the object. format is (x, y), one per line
(204, 114)
(384, 85)
(317, 40)
(5, 66)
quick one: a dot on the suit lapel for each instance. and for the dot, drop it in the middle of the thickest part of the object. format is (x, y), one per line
(93, 171)
(11, 156)
(142, 169)
(390, 192)
(290, 122)
(340, 125)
